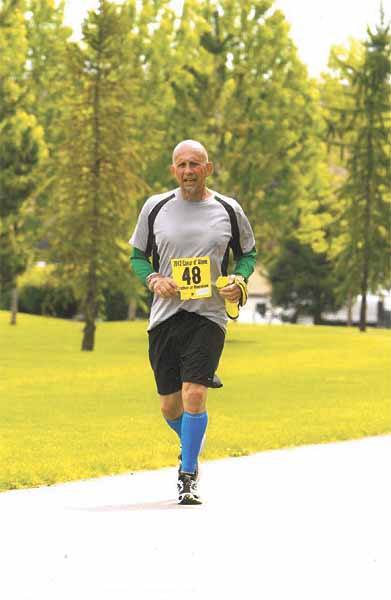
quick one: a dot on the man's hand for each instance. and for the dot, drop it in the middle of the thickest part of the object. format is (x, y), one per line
(165, 287)
(231, 292)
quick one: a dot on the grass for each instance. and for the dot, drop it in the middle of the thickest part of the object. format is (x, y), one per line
(67, 414)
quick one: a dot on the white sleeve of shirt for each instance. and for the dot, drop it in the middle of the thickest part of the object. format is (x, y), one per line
(139, 238)
(247, 240)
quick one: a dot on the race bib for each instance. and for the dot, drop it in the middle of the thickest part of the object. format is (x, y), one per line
(192, 276)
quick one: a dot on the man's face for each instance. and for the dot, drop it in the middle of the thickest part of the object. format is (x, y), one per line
(191, 168)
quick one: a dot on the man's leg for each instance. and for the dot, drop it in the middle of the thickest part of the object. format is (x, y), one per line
(194, 423)
(199, 360)
(172, 410)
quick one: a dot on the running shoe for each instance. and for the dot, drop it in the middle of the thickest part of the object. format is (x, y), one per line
(187, 489)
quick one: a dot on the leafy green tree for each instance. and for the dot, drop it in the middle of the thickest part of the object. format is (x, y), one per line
(303, 280)
(241, 89)
(338, 101)
(47, 76)
(22, 143)
(47, 80)
(99, 160)
(153, 50)
(275, 152)
(22, 146)
(13, 49)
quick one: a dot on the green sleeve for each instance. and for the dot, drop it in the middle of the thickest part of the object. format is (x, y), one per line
(140, 265)
(246, 264)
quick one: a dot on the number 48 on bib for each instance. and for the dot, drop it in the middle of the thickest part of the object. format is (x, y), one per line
(192, 276)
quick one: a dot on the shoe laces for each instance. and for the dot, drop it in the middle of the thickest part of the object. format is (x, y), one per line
(187, 482)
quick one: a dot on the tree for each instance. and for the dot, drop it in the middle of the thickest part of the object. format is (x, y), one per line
(303, 280)
(22, 145)
(47, 80)
(153, 50)
(362, 122)
(99, 161)
(240, 88)
(335, 104)
(47, 77)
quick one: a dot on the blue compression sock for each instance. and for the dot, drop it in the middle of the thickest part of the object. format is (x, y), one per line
(193, 429)
(176, 424)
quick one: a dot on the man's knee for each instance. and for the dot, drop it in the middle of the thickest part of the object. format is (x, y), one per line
(194, 397)
(171, 405)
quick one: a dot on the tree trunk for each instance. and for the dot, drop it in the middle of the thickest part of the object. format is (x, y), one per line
(350, 309)
(14, 305)
(91, 300)
(90, 308)
(367, 234)
(363, 309)
(132, 307)
(89, 335)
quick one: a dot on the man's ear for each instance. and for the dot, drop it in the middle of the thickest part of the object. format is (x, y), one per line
(209, 168)
(172, 170)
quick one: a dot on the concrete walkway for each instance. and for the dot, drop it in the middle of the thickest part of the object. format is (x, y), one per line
(310, 523)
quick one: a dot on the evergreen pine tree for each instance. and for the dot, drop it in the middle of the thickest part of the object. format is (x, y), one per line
(361, 230)
(99, 161)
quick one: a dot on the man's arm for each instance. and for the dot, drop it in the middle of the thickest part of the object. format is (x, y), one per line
(156, 283)
(244, 267)
(246, 264)
(140, 264)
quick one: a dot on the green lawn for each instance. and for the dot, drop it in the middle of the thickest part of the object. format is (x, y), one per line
(68, 415)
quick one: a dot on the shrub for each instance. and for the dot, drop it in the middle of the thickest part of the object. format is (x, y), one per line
(116, 305)
(41, 294)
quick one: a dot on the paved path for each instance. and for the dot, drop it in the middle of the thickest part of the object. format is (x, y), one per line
(310, 523)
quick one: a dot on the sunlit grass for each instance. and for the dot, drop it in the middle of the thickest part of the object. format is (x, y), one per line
(67, 414)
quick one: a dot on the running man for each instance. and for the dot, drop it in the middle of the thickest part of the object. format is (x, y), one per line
(181, 247)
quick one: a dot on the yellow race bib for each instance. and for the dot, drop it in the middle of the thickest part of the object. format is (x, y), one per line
(192, 276)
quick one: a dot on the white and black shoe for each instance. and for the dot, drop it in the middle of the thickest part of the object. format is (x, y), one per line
(187, 489)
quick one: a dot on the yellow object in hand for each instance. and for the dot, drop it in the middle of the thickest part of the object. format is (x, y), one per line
(232, 308)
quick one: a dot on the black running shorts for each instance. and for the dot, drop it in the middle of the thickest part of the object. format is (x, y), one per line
(185, 347)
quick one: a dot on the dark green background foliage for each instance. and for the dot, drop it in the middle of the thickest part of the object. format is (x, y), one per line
(303, 280)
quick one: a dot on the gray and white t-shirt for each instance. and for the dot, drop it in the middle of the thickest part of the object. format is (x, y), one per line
(184, 228)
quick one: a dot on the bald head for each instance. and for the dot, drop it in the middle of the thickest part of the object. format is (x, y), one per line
(191, 167)
(189, 145)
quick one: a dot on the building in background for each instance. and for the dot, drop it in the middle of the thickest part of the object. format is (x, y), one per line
(260, 310)
(378, 311)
